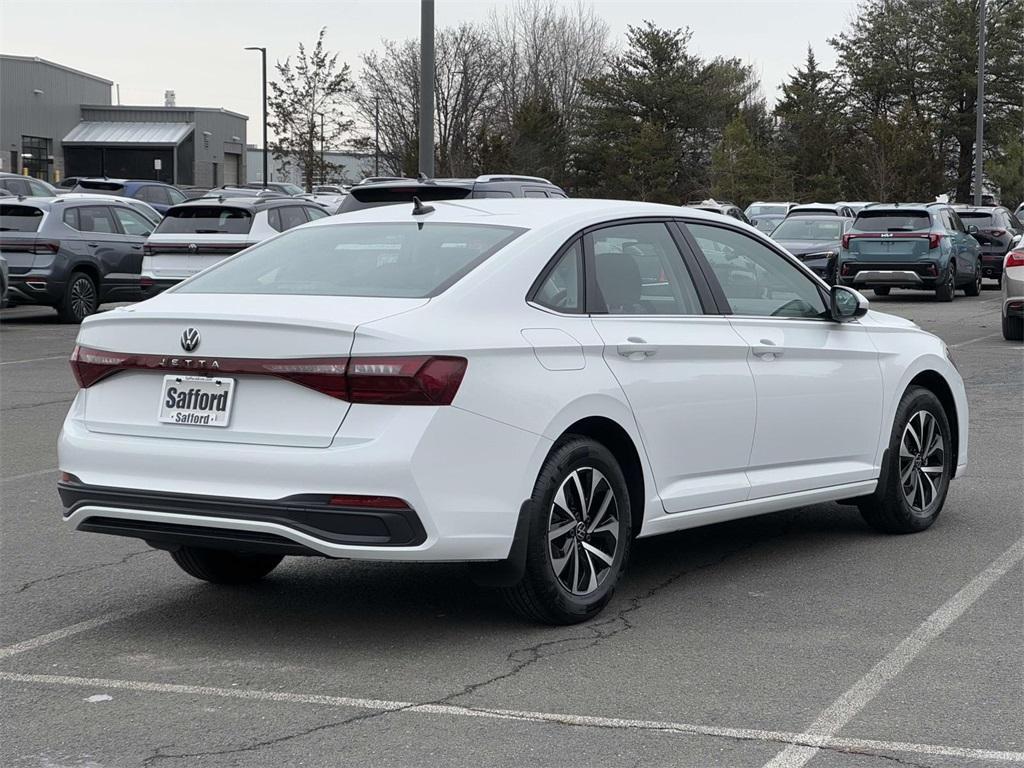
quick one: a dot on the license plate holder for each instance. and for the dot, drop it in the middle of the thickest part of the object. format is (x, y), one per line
(203, 401)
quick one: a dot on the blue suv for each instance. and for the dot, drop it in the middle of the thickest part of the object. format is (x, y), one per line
(922, 246)
(160, 196)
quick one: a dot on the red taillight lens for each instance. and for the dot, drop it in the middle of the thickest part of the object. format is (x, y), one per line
(1014, 259)
(368, 502)
(91, 365)
(933, 240)
(146, 282)
(846, 240)
(417, 380)
(147, 249)
(46, 246)
(405, 380)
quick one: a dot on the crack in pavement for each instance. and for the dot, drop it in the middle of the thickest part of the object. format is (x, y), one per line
(35, 405)
(96, 566)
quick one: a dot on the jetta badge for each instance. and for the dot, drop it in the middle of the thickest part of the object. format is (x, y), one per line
(189, 339)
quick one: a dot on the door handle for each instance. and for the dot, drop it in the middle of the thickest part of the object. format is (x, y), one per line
(136, 247)
(767, 350)
(637, 349)
(93, 245)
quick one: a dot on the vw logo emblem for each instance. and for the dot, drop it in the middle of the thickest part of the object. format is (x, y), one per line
(189, 339)
(192, 247)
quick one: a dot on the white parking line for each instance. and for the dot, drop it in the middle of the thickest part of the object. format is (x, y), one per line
(971, 341)
(59, 634)
(34, 360)
(846, 707)
(685, 729)
(27, 475)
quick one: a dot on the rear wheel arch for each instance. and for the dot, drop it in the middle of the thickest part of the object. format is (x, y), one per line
(88, 269)
(617, 440)
(934, 382)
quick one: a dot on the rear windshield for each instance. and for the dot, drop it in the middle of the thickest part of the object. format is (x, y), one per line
(892, 221)
(20, 218)
(764, 210)
(813, 212)
(101, 187)
(206, 220)
(809, 229)
(981, 217)
(373, 195)
(387, 260)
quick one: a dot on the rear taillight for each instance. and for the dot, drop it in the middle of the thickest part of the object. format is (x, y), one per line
(934, 240)
(846, 270)
(48, 247)
(91, 365)
(1014, 259)
(146, 282)
(405, 380)
(846, 240)
(147, 249)
(414, 380)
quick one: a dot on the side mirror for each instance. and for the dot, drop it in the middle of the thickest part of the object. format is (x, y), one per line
(753, 222)
(847, 304)
(972, 229)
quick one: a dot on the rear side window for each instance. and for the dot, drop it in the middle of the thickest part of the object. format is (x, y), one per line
(16, 186)
(95, 218)
(154, 194)
(493, 193)
(292, 216)
(892, 221)
(534, 193)
(206, 220)
(20, 218)
(560, 290)
(399, 260)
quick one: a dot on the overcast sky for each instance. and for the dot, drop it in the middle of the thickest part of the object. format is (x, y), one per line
(194, 47)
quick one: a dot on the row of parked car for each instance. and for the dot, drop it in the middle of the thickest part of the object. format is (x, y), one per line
(933, 246)
(102, 240)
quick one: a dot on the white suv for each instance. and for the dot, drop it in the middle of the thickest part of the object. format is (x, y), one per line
(199, 233)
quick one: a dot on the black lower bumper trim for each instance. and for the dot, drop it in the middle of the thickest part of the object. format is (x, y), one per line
(311, 514)
(171, 536)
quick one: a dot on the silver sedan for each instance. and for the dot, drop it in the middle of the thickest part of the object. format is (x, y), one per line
(1013, 293)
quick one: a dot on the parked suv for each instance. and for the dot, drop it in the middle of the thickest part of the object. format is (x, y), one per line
(823, 209)
(998, 230)
(403, 191)
(26, 186)
(160, 196)
(199, 233)
(924, 246)
(72, 254)
(815, 240)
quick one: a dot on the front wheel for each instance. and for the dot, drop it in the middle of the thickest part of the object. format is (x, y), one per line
(220, 566)
(914, 481)
(579, 538)
(946, 290)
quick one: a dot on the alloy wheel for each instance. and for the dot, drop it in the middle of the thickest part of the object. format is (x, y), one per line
(583, 531)
(922, 461)
(83, 298)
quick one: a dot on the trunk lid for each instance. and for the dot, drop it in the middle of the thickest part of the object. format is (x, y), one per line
(265, 410)
(177, 256)
(894, 248)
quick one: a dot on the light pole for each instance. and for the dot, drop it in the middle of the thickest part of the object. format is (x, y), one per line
(979, 128)
(323, 166)
(427, 88)
(376, 136)
(263, 52)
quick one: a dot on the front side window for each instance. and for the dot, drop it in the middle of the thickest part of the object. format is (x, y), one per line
(175, 195)
(560, 290)
(151, 193)
(133, 223)
(638, 270)
(314, 213)
(755, 279)
(398, 260)
(38, 189)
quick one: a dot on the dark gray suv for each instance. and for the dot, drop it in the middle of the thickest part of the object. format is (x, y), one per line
(404, 190)
(72, 255)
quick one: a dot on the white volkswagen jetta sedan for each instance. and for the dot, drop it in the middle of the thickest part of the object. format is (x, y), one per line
(524, 385)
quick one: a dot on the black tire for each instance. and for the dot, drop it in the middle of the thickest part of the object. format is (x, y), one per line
(541, 595)
(884, 291)
(1013, 328)
(946, 290)
(220, 566)
(889, 509)
(973, 288)
(80, 299)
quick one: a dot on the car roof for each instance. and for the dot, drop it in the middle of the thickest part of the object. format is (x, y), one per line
(812, 217)
(253, 203)
(527, 213)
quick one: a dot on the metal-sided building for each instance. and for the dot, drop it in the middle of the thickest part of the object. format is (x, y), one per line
(39, 103)
(56, 121)
(179, 145)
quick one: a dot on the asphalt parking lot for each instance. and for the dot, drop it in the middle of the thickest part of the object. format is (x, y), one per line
(796, 638)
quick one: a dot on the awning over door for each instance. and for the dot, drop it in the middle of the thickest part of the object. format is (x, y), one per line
(106, 133)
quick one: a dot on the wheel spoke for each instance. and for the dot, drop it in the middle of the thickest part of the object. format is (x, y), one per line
(558, 564)
(592, 581)
(927, 490)
(906, 472)
(575, 566)
(561, 530)
(612, 527)
(932, 470)
(606, 559)
(579, 492)
(562, 504)
(609, 497)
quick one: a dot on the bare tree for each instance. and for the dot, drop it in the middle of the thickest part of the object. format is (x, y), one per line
(389, 91)
(315, 85)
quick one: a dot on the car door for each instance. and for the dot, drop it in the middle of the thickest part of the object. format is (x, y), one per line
(818, 382)
(134, 228)
(104, 243)
(683, 371)
(967, 250)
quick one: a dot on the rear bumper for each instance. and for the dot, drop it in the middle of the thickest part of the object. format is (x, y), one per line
(465, 476)
(896, 278)
(152, 287)
(34, 289)
(294, 525)
(992, 264)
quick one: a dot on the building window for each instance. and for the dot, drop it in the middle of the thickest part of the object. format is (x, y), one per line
(35, 156)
